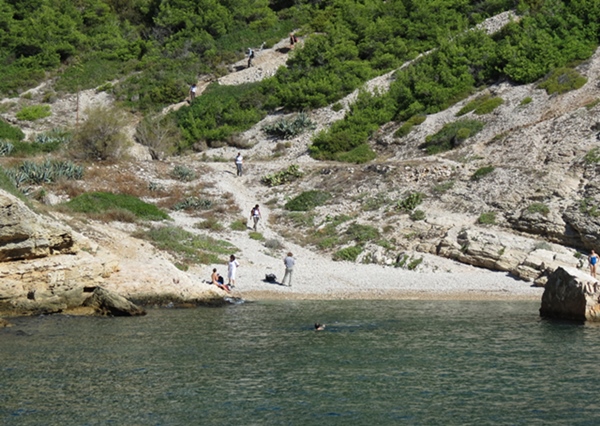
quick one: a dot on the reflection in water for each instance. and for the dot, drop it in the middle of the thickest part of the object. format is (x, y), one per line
(377, 362)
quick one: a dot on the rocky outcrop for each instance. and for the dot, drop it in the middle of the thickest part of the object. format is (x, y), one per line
(106, 303)
(4, 323)
(522, 257)
(571, 295)
(25, 235)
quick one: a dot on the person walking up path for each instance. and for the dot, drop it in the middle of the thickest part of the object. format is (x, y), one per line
(255, 216)
(239, 160)
(289, 263)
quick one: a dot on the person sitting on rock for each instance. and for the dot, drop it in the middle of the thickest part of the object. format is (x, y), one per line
(219, 281)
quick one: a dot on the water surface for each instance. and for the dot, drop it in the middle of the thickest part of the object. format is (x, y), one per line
(378, 362)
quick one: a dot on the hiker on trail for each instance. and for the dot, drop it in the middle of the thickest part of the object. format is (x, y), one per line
(593, 260)
(219, 281)
(293, 40)
(250, 56)
(192, 93)
(239, 160)
(255, 216)
(289, 263)
(231, 270)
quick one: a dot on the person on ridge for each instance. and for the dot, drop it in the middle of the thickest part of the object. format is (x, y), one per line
(593, 260)
(250, 56)
(238, 163)
(219, 281)
(255, 216)
(192, 93)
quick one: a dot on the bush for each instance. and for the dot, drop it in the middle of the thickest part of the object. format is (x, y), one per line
(488, 106)
(562, 80)
(488, 218)
(359, 155)
(538, 208)
(362, 233)
(101, 137)
(289, 128)
(34, 112)
(182, 173)
(210, 224)
(102, 202)
(526, 101)
(451, 136)
(6, 148)
(30, 173)
(410, 202)
(239, 225)
(284, 176)
(440, 188)
(256, 236)
(9, 132)
(592, 156)
(481, 172)
(194, 203)
(417, 215)
(349, 253)
(407, 127)
(188, 248)
(160, 134)
(307, 201)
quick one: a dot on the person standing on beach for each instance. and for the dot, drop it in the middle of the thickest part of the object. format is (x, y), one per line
(231, 270)
(250, 56)
(238, 163)
(593, 260)
(255, 216)
(289, 263)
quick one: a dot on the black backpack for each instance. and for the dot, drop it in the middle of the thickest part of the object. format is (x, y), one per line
(270, 278)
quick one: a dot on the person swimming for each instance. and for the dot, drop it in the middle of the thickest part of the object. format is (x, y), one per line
(319, 327)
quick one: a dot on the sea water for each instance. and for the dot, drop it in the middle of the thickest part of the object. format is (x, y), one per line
(376, 363)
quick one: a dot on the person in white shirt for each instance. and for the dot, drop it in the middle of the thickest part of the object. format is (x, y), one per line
(231, 270)
(238, 163)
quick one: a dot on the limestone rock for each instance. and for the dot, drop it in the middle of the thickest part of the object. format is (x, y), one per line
(25, 235)
(4, 323)
(571, 295)
(109, 303)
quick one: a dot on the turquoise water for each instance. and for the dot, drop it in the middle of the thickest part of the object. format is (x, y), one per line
(378, 362)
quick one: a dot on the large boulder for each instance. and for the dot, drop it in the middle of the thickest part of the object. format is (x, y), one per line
(26, 235)
(570, 294)
(108, 303)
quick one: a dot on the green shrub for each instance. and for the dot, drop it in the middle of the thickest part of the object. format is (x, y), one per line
(589, 207)
(440, 188)
(239, 225)
(451, 136)
(592, 156)
(410, 201)
(194, 203)
(256, 236)
(526, 101)
(31, 173)
(284, 176)
(307, 201)
(187, 248)
(183, 173)
(6, 148)
(102, 135)
(538, 208)
(349, 253)
(407, 127)
(362, 233)
(337, 107)
(9, 132)
(488, 218)
(592, 104)
(488, 106)
(289, 128)
(101, 202)
(210, 224)
(34, 112)
(412, 265)
(7, 184)
(359, 155)
(417, 215)
(481, 172)
(562, 80)
(472, 105)
(375, 203)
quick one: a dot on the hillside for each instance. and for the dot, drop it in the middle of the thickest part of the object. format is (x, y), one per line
(518, 196)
